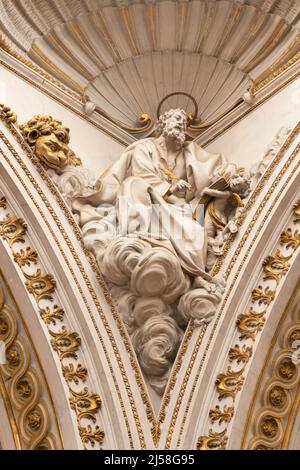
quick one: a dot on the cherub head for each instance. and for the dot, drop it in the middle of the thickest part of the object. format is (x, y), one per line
(172, 125)
(240, 182)
(50, 140)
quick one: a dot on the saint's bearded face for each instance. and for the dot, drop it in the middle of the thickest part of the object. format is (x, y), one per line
(175, 127)
(53, 152)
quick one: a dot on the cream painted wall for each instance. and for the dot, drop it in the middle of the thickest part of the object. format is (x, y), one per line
(96, 149)
(247, 141)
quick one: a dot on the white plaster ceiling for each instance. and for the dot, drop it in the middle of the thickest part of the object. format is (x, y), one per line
(128, 55)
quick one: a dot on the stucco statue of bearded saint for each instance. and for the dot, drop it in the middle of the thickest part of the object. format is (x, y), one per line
(145, 226)
(155, 188)
(144, 222)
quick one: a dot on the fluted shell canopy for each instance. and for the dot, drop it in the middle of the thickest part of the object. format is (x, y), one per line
(127, 55)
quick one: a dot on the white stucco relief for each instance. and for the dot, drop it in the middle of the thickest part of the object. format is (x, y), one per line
(156, 221)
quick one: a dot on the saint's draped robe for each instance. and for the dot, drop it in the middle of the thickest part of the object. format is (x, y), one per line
(131, 201)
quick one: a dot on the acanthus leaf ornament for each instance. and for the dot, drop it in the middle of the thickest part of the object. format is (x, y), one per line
(296, 211)
(52, 314)
(85, 404)
(25, 257)
(214, 441)
(12, 229)
(3, 202)
(240, 354)
(73, 374)
(290, 239)
(276, 266)
(263, 295)
(66, 344)
(41, 285)
(90, 436)
(225, 415)
(229, 383)
(250, 324)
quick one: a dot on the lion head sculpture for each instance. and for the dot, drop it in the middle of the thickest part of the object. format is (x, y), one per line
(50, 141)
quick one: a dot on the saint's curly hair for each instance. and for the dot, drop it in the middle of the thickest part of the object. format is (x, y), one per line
(44, 125)
(160, 124)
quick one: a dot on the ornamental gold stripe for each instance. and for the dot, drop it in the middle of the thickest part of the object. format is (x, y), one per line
(28, 335)
(267, 362)
(77, 232)
(21, 384)
(59, 47)
(245, 237)
(10, 414)
(42, 286)
(5, 46)
(250, 324)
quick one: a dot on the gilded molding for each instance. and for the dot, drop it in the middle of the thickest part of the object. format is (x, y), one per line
(213, 441)
(254, 195)
(240, 353)
(250, 324)
(228, 384)
(272, 410)
(278, 393)
(121, 139)
(296, 209)
(274, 268)
(67, 344)
(221, 415)
(23, 386)
(273, 75)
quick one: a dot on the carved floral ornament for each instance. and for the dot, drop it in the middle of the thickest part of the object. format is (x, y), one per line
(66, 343)
(249, 325)
(278, 389)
